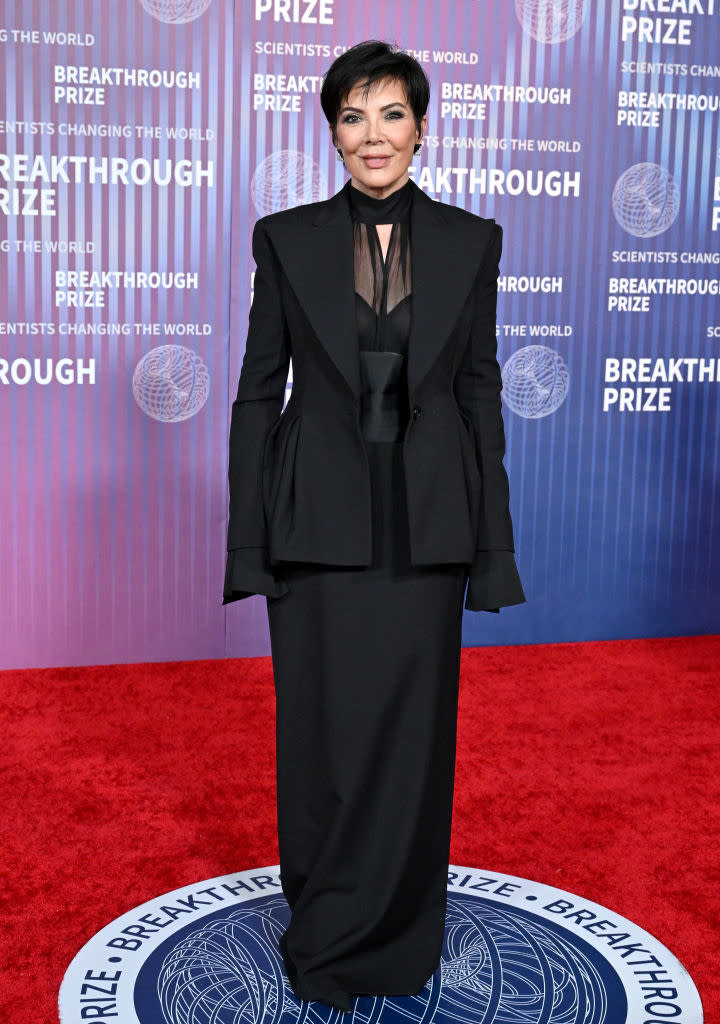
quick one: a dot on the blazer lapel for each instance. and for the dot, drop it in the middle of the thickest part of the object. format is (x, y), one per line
(317, 257)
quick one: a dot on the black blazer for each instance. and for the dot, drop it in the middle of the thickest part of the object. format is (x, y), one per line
(300, 481)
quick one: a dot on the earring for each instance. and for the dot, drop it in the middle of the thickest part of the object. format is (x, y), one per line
(340, 156)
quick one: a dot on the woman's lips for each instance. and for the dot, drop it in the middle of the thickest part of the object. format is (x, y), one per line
(376, 161)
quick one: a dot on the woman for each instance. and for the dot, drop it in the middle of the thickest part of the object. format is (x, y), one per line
(362, 512)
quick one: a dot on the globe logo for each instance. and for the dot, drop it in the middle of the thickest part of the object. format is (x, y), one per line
(550, 21)
(229, 971)
(645, 200)
(545, 977)
(535, 381)
(286, 178)
(176, 12)
(171, 383)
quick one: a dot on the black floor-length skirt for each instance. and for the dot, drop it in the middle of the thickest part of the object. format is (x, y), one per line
(366, 667)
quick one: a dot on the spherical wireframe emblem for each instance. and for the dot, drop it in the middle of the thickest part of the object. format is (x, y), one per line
(535, 381)
(550, 21)
(227, 972)
(645, 200)
(176, 12)
(284, 179)
(544, 976)
(171, 383)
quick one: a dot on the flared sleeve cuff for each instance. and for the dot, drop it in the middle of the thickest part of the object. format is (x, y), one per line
(494, 582)
(248, 572)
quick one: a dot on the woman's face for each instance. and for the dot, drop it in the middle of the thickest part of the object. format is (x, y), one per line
(377, 134)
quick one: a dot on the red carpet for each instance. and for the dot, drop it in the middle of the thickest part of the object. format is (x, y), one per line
(592, 767)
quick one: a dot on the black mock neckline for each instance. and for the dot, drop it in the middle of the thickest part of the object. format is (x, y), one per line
(388, 210)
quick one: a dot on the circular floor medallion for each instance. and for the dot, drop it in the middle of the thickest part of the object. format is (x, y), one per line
(515, 952)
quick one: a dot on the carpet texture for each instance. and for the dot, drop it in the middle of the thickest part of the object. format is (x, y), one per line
(593, 767)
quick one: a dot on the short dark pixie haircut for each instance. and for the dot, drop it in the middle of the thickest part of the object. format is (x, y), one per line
(367, 63)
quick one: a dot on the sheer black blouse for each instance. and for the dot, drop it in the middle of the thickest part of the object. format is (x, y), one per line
(383, 300)
(382, 286)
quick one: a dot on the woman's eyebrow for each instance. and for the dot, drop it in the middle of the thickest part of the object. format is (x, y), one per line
(395, 103)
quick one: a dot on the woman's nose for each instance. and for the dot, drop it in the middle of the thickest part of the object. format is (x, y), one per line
(374, 131)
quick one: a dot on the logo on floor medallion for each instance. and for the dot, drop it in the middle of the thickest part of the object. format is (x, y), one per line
(514, 951)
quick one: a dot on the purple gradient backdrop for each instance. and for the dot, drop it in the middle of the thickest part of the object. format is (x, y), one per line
(113, 540)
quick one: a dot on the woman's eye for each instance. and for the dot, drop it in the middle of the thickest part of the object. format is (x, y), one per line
(353, 118)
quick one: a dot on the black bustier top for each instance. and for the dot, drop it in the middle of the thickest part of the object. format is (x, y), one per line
(383, 296)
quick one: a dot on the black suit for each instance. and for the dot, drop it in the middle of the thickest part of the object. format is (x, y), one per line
(310, 501)
(359, 514)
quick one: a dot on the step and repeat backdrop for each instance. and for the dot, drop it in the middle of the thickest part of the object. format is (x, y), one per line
(139, 142)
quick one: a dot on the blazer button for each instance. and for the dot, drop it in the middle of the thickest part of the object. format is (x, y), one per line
(416, 411)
